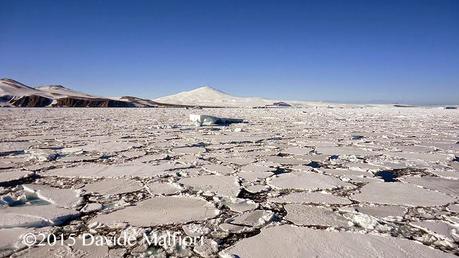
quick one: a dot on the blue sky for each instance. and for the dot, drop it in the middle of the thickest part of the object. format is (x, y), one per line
(351, 51)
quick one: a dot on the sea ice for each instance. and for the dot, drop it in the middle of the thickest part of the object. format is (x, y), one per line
(400, 194)
(439, 227)
(65, 198)
(443, 185)
(306, 181)
(161, 211)
(295, 164)
(254, 218)
(113, 186)
(9, 176)
(382, 211)
(113, 171)
(311, 197)
(219, 169)
(68, 249)
(305, 215)
(157, 188)
(227, 186)
(239, 205)
(291, 241)
(200, 120)
(10, 238)
(34, 216)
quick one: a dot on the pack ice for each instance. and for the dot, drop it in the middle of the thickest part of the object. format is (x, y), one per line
(314, 180)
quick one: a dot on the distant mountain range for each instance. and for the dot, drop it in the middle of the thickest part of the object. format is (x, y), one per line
(16, 94)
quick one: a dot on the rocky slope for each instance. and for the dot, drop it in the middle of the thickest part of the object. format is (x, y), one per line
(16, 94)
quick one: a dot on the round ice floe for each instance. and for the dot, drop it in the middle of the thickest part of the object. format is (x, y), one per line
(157, 188)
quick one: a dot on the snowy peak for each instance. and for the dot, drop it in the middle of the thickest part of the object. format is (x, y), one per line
(211, 97)
(10, 87)
(61, 91)
(207, 90)
(12, 83)
(54, 87)
(5, 82)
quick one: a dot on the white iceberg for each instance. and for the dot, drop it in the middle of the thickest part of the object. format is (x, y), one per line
(200, 120)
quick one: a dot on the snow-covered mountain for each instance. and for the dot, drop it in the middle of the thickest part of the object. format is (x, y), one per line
(59, 91)
(14, 93)
(9, 87)
(210, 97)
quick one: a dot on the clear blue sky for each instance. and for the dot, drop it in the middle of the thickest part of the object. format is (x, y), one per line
(357, 51)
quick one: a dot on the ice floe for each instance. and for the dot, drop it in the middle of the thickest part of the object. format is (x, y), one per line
(401, 194)
(221, 185)
(161, 211)
(289, 241)
(306, 181)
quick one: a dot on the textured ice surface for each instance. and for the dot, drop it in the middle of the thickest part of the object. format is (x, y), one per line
(200, 120)
(125, 170)
(113, 186)
(314, 216)
(189, 150)
(34, 216)
(255, 172)
(239, 205)
(156, 188)
(8, 176)
(220, 185)
(452, 174)
(161, 211)
(65, 198)
(382, 211)
(252, 218)
(401, 194)
(141, 170)
(10, 238)
(307, 181)
(454, 207)
(297, 150)
(291, 241)
(444, 229)
(443, 185)
(219, 169)
(68, 249)
(308, 197)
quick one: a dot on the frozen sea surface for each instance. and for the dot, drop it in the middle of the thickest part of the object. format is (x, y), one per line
(360, 181)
